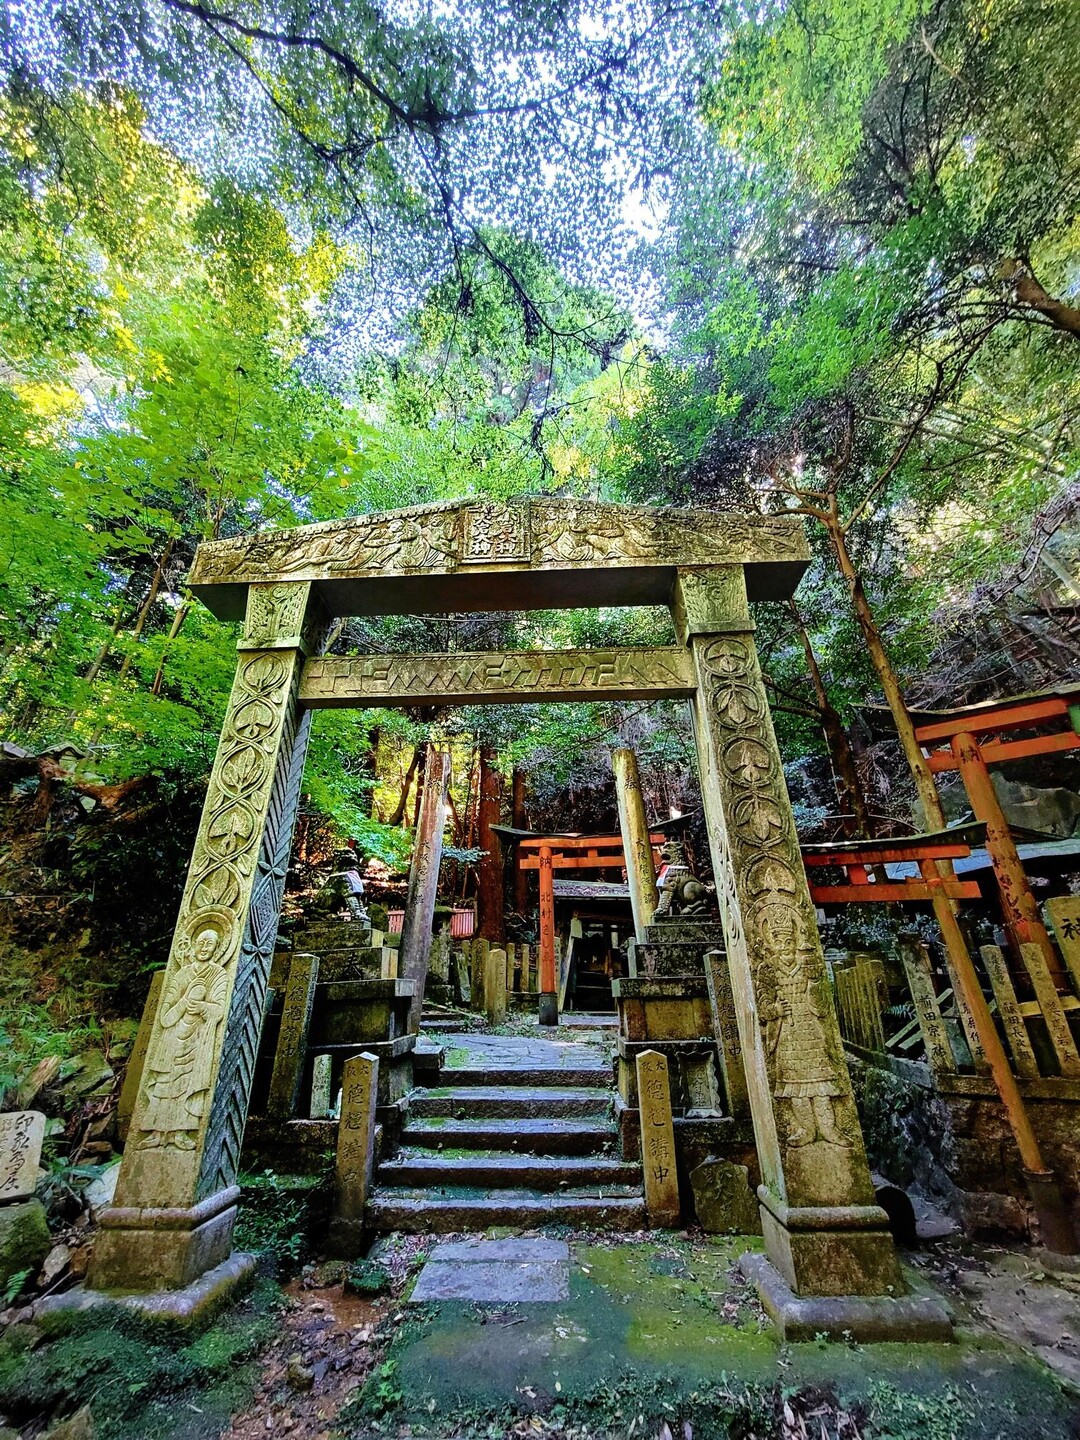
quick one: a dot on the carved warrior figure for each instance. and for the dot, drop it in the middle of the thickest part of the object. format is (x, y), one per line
(680, 892)
(343, 890)
(179, 1070)
(795, 1036)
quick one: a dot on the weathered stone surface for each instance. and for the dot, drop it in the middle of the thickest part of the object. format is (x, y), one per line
(21, 1136)
(137, 1059)
(79, 1426)
(528, 554)
(187, 1126)
(862, 1319)
(496, 678)
(495, 986)
(355, 1145)
(24, 1238)
(809, 1142)
(723, 1201)
(292, 1037)
(322, 1100)
(417, 1212)
(497, 1272)
(657, 1139)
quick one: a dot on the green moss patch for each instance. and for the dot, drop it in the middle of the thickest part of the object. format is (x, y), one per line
(141, 1380)
(665, 1332)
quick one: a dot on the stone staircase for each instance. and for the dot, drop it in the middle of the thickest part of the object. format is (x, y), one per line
(507, 1144)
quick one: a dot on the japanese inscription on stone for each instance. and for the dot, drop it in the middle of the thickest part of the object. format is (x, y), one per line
(21, 1136)
(356, 1136)
(657, 1138)
(292, 1037)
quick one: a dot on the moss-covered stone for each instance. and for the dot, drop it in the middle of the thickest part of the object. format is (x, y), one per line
(24, 1240)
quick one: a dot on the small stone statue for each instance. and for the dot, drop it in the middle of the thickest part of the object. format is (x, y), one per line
(680, 893)
(343, 889)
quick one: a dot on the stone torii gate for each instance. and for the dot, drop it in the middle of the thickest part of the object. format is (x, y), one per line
(171, 1222)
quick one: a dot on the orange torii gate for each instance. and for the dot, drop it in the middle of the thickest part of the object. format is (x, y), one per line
(971, 739)
(548, 853)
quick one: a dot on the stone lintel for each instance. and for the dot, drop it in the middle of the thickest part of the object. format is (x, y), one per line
(536, 554)
(497, 677)
(862, 1319)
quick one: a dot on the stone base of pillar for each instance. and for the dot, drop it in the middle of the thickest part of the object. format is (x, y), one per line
(163, 1248)
(347, 1239)
(863, 1319)
(194, 1304)
(548, 1010)
(831, 1250)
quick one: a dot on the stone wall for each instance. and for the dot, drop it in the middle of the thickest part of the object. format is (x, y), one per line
(954, 1146)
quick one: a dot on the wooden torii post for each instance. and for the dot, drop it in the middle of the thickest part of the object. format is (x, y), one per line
(939, 885)
(973, 738)
(546, 854)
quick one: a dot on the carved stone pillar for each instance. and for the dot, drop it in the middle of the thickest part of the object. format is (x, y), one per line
(175, 1204)
(637, 849)
(823, 1231)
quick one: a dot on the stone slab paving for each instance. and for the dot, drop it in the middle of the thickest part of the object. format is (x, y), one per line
(496, 1272)
(477, 1051)
(665, 1329)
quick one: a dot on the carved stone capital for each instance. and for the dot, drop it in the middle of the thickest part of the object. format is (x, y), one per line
(710, 602)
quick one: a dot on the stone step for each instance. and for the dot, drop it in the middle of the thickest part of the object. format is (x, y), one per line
(508, 1101)
(709, 933)
(417, 1212)
(593, 1077)
(434, 1173)
(525, 1136)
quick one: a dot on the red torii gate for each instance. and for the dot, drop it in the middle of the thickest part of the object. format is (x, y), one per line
(548, 853)
(972, 738)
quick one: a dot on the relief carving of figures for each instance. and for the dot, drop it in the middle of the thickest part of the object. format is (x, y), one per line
(795, 1037)
(180, 1067)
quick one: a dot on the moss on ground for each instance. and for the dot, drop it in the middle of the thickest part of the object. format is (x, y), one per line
(663, 1332)
(141, 1379)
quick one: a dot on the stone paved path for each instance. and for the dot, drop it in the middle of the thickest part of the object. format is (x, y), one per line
(521, 1052)
(496, 1272)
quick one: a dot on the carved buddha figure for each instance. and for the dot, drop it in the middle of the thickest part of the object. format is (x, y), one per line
(180, 1067)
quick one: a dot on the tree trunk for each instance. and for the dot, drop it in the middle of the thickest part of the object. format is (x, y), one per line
(490, 870)
(174, 631)
(148, 604)
(406, 785)
(415, 949)
(519, 787)
(894, 696)
(850, 794)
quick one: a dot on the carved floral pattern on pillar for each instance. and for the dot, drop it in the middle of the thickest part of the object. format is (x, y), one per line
(188, 1122)
(763, 893)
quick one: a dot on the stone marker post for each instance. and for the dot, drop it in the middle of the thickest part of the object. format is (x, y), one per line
(657, 1139)
(322, 1101)
(292, 1037)
(824, 1233)
(637, 848)
(495, 986)
(175, 1204)
(726, 1030)
(420, 897)
(355, 1152)
(1064, 915)
(137, 1059)
(21, 1135)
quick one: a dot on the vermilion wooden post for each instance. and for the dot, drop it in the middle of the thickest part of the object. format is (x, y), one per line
(549, 998)
(1021, 909)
